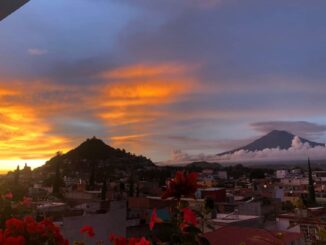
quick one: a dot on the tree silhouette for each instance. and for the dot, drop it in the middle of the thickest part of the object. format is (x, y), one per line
(311, 187)
(104, 190)
(57, 181)
(92, 177)
(131, 187)
(137, 190)
(17, 174)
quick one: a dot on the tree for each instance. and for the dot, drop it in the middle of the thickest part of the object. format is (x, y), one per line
(57, 181)
(131, 187)
(311, 187)
(17, 173)
(138, 190)
(92, 177)
(104, 190)
(299, 202)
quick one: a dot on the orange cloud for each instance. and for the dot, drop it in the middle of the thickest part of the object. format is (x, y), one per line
(128, 137)
(142, 86)
(130, 106)
(137, 95)
(144, 71)
(144, 93)
(24, 131)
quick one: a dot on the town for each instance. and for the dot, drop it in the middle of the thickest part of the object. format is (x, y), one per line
(162, 122)
(283, 206)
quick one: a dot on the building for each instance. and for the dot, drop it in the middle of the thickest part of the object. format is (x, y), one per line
(234, 235)
(222, 175)
(113, 221)
(217, 194)
(82, 196)
(236, 219)
(306, 221)
(282, 173)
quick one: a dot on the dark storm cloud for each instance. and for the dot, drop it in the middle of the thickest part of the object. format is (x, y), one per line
(300, 128)
(240, 41)
(80, 71)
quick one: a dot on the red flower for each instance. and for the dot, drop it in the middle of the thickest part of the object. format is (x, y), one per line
(112, 237)
(88, 230)
(133, 241)
(1, 236)
(19, 240)
(27, 202)
(189, 217)
(14, 227)
(143, 241)
(154, 219)
(8, 196)
(182, 185)
(120, 240)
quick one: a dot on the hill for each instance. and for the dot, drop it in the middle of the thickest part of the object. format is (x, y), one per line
(203, 165)
(94, 153)
(274, 139)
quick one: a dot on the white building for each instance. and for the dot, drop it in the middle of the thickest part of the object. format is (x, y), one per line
(282, 173)
(222, 175)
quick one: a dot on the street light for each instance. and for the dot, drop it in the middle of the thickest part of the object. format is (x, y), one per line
(9, 6)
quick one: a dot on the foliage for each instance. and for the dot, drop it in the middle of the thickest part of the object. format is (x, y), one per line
(321, 234)
(183, 227)
(288, 206)
(27, 231)
(182, 185)
(299, 203)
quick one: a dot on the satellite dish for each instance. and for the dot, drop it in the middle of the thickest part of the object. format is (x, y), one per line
(7, 7)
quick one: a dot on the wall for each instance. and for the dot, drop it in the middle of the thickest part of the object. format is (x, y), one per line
(112, 222)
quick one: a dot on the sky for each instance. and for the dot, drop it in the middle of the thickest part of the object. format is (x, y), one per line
(192, 77)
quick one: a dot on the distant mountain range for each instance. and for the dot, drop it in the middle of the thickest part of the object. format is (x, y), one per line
(203, 165)
(274, 139)
(95, 152)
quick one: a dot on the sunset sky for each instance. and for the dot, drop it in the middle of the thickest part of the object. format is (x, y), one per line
(154, 77)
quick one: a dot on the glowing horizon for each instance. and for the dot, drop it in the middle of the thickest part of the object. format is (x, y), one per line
(190, 76)
(35, 163)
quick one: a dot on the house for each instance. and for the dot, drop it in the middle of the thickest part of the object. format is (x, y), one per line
(113, 221)
(217, 194)
(234, 235)
(306, 221)
(236, 219)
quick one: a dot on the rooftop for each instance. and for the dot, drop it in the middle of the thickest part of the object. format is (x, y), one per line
(233, 218)
(233, 235)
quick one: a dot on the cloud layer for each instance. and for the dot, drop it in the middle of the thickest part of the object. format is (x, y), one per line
(202, 76)
(302, 128)
(298, 151)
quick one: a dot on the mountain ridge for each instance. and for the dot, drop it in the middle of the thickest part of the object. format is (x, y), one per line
(95, 151)
(275, 139)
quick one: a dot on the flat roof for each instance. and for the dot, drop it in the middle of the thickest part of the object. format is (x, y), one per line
(51, 205)
(232, 218)
(211, 189)
(182, 199)
(232, 235)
